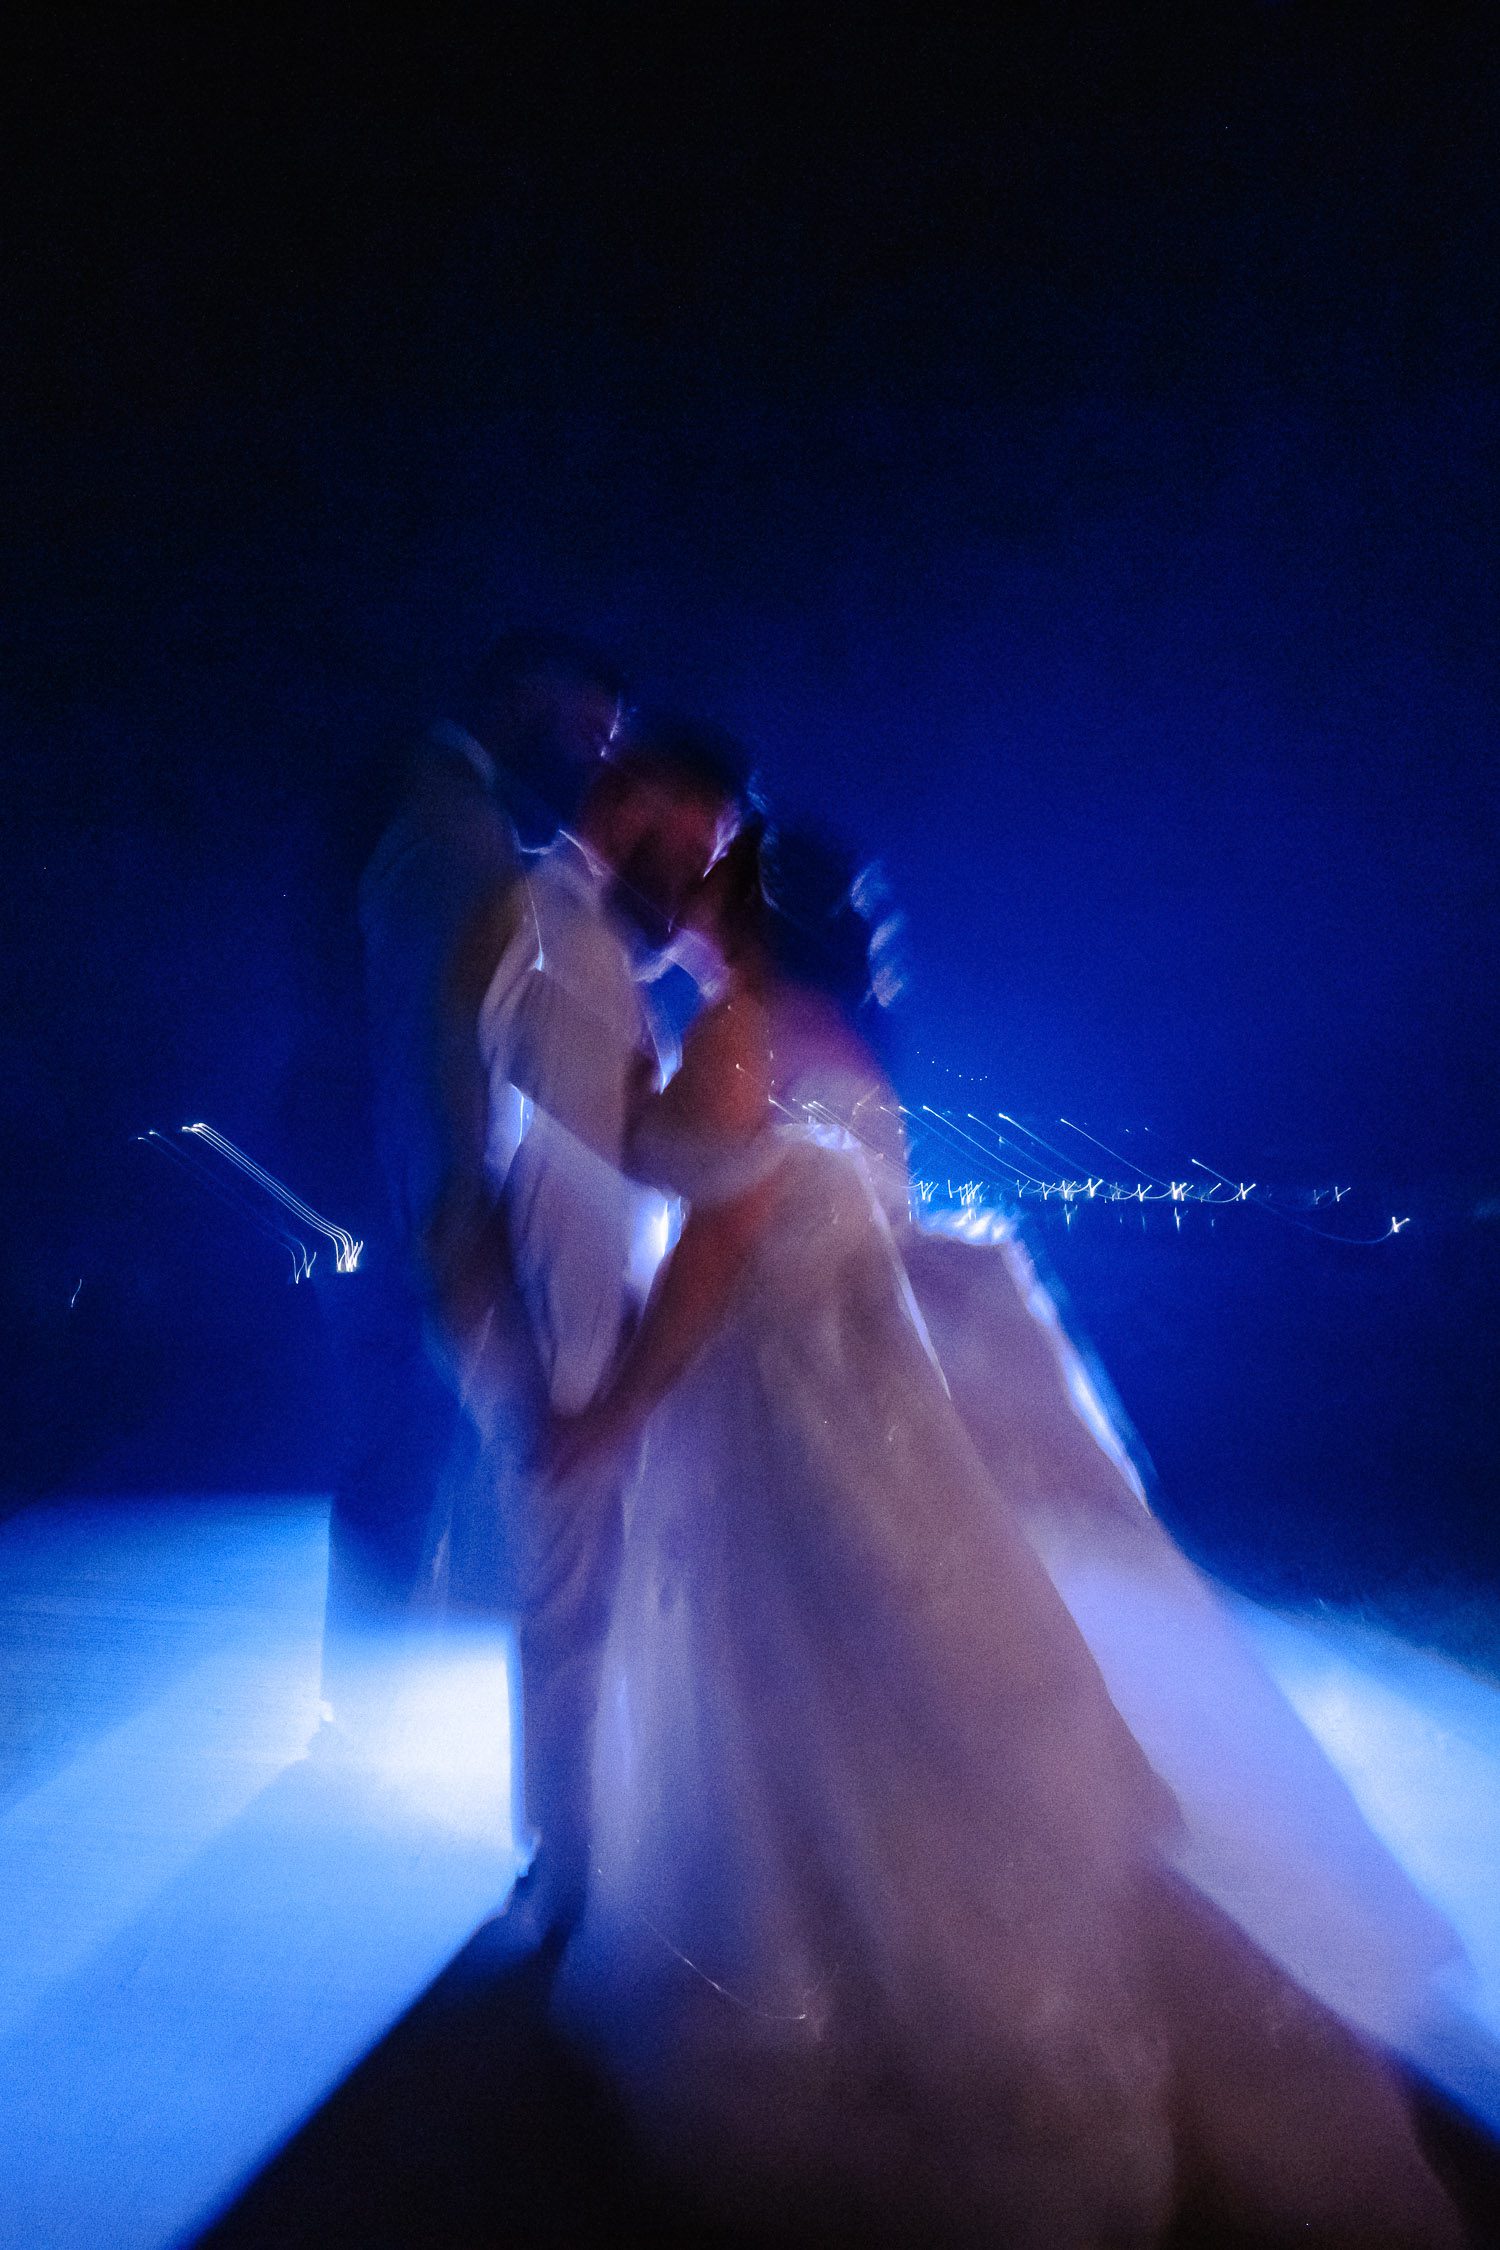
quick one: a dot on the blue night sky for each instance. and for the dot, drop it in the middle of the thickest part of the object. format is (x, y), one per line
(1065, 450)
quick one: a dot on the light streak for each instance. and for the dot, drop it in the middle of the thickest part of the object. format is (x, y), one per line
(984, 1204)
(1051, 1150)
(804, 2014)
(346, 1250)
(296, 1249)
(72, 1301)
(1070, 1190)
(1164, 1185)
(958, 1132)
(1289, 1218)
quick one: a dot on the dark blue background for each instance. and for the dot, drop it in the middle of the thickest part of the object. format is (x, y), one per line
(1064, 449)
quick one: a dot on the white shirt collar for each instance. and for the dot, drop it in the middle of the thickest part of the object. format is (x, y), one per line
(589, 873)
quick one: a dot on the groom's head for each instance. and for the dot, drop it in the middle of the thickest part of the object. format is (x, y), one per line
(548, 707)
(659, 813)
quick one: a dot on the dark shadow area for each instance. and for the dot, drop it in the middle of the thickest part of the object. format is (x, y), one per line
(472, 2125)
(176, 1352)
(1320, 1417)
(469, 2124)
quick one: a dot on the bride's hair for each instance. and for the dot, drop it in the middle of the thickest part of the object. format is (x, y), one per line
(820, 915)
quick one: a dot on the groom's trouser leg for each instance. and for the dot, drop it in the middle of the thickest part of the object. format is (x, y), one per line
(573, 1567)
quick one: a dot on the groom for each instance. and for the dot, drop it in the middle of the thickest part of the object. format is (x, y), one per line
(437, 903)
(564, 1019)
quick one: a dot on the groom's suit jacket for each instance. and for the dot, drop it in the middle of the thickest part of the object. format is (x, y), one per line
(450, 851)
(438, 901)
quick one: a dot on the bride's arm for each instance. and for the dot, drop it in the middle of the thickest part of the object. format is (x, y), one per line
(683, 1311)
(723, 1096)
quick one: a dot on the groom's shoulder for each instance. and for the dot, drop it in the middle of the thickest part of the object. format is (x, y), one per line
(447, 812)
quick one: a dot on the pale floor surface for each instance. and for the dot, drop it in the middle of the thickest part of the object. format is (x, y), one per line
(210, 1915)
(208, 1918)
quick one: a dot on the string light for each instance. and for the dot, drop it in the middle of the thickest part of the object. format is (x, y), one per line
(1013, 1176)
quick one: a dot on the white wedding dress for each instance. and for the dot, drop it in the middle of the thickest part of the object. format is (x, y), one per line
(883, 1930)
(1270, 1830)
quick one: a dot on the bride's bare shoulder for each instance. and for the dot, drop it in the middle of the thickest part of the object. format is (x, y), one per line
(725, 1079)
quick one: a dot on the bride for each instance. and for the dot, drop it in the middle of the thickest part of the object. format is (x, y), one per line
(885, 1933)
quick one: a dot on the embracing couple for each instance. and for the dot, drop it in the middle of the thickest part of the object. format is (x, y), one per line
(867, 1896)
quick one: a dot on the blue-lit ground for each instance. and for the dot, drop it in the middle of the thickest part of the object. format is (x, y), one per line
(215, 1905)
(1418, 1740)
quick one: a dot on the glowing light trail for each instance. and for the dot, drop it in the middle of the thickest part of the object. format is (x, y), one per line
(986, 1201)
(1357, 1242)
(346, 1249)
(1166, 1186)
(296, 1249)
